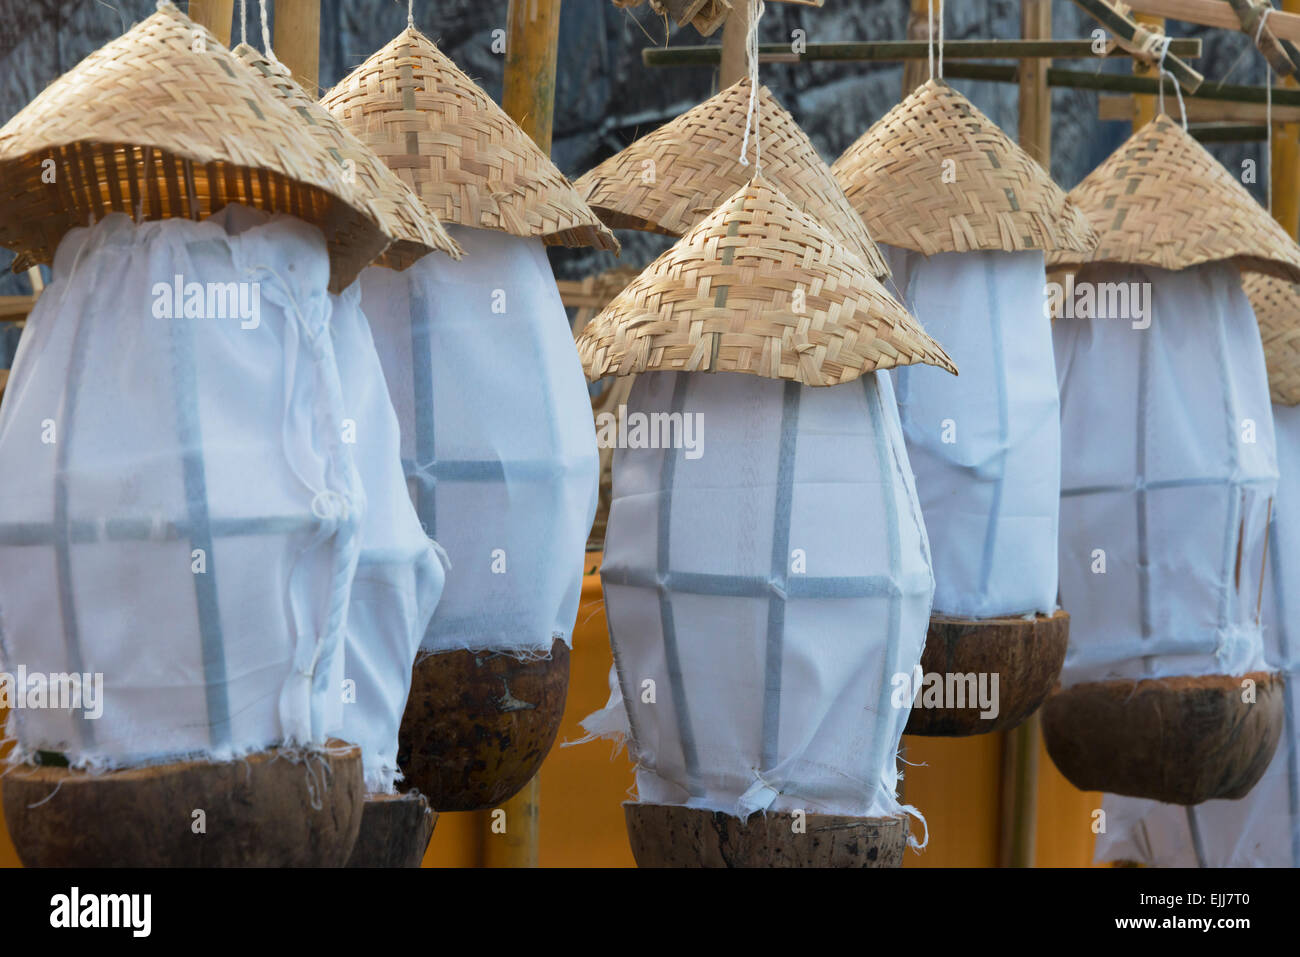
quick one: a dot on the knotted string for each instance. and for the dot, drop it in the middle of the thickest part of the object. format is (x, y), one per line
(756, 8)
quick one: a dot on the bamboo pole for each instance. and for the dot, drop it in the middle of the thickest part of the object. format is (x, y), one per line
(733, 59)
(215, 15)
(528, 95)
(1120, 83)
(1112, 15)
(1284, 165)
(912, 52)
(297, 41)
(1284, 23)
(1019, 799)
(1123, 109)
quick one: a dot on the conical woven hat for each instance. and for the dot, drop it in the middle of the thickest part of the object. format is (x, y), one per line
(936, 175)
(670, 179)
(448, 140)
(405, 220)
(1162, 200)
(165, 122)
(1277, 307)
(727, 298)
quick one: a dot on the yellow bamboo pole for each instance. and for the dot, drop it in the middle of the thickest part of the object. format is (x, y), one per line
(510, 835)
(1020, 745)
(735, 33)
(215, 15)
(1284, 163)
(297, 41)
(916, 72)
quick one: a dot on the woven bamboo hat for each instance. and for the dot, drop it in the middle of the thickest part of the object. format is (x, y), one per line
(165, 122)
(448, 140)
(726, 298)
(1277, 307)
(406, 221)
(669, 180)
(1162, 200)
(936, 175)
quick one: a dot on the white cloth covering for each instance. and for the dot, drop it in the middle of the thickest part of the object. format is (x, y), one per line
(399, 576)
(985, 446)
(765, 590)
(1168, 469)
(179, 512)
(498, 441)
(1261, 829)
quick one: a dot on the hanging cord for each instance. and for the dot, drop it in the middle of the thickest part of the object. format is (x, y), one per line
(1160, 66)
(243, 21)
(266, 35)
(756, 8)
(929, 37)
(410, 14)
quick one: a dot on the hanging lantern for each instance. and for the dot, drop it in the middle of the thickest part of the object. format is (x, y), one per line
(398, 577)
(1261, 829)
(497, 439)
(1167, 477)
(668, 180)
(965, 217)
(183, 511)
(766, 571)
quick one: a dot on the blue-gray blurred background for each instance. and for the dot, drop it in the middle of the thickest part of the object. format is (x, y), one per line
(605, 98)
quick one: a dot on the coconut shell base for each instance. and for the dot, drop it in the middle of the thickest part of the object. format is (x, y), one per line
(478, 725)
(668, 836)
(1179, 740)
(1025, 654)
(257, 812)
(395, 831)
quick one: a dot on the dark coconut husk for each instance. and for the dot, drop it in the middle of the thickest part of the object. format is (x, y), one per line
(1026, 655)
(478, 725)
(669, 836)
(1180, 740)
(270, 809)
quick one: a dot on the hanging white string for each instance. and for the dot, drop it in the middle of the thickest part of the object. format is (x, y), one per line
(1160, 66)
(266, 35)
(756, 8)
(410, 14)
(940, 52)
(243, 21)
(929, 35)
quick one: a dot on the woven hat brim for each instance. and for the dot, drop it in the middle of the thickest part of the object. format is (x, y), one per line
(1277, 308)
(1162, 200)
(725, 298)
(409, 225)
(936, 175)
(670, 179)
(461, 153)
(150, 126)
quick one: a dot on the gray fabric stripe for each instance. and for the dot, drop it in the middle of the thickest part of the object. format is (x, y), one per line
(881, 744)
(189, 432)
(780, 563)
(753, 586)
(426, 506)
(1143, 566)
(1004, 429)
(1288, 695)
(672, 658)
(85, 532)
(1198, 846)
(1162, 484)
(61, 530)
